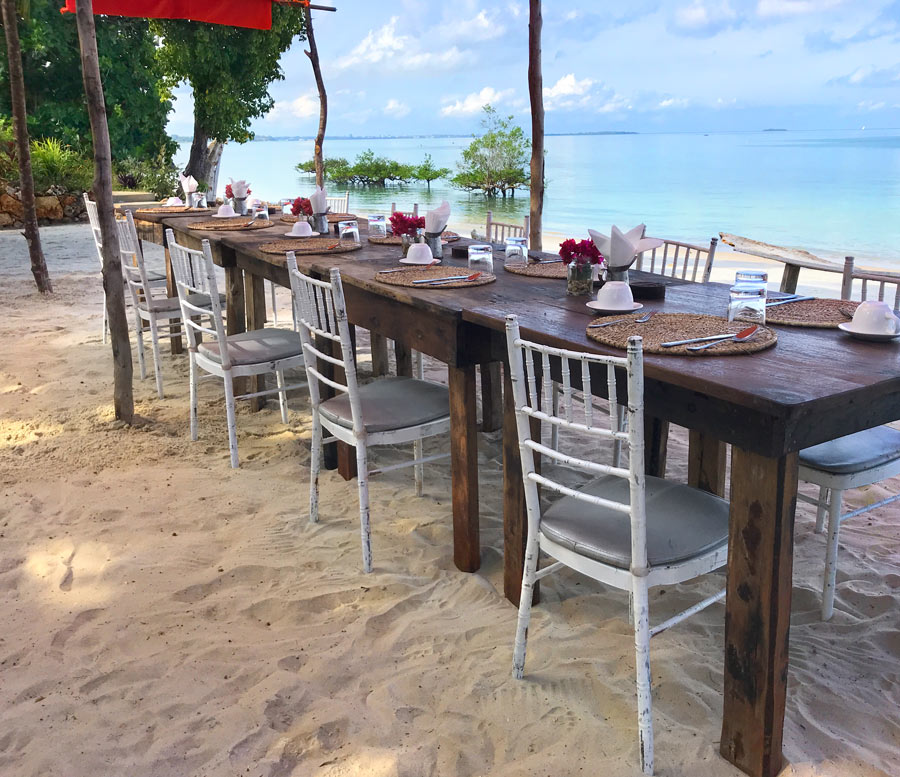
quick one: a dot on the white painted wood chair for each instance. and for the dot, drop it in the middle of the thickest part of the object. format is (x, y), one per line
(338, 204)
(387, 411)
(150, 303)
(679, 260)
(414, 213)
(154, 278)
(854, 461)
(497, 231)
(624, 529)
(256, 352)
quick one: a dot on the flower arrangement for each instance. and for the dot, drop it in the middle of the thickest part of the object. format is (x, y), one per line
(581, 253)
(406, 225)
(302, 206)
(230, 194)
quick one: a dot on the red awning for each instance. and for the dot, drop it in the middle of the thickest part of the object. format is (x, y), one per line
(256, 14)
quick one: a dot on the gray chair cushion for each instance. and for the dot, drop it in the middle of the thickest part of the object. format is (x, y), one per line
(391, 403)
(855, 452)
(682, 522)
(167, 304)
(256, 347)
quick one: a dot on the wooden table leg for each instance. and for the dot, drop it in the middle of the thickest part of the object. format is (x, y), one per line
(403, 355)
(379, 354)
(758, 609)
(706, 463)
(464, 468)
(789, 278)
(171, 291)
(656, 443)
(491, 398)
(255, 301)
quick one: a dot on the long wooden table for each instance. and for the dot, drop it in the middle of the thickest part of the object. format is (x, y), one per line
(815, 385)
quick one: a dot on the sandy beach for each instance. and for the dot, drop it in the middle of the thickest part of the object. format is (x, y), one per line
(166, 616)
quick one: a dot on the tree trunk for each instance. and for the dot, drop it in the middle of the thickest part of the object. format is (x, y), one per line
(535, 92)
(123, 398)
(198, 163)
(23, 149)
(313, 55)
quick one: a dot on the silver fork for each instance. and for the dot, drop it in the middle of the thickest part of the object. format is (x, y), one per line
(642, 320)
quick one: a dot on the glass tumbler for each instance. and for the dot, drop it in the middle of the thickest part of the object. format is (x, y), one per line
(747, 302)
(481, 258)
(348, 230)
(515, 251)
(377, 226)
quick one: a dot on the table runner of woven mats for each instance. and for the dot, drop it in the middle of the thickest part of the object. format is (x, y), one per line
(535, 270)
(406, 276)
(665, 327)
(173, 209)
(310, 245)
(234, 224)
(817, 313)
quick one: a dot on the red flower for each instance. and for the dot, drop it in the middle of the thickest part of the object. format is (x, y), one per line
(230, 194)
(582, 253)
(302, 205)
(406, 225)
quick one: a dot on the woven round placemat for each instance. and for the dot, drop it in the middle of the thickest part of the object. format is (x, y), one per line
(234, 224)
(309, 245)
(817, 313)
(665, 327)
(450, 237)
(406, 276)
(172, 209)
(334, 218)
(550, 270)
(387, 240)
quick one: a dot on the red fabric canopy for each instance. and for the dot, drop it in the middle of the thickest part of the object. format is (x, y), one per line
(256, 14)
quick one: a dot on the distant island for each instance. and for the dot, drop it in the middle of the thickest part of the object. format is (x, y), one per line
(776, 129)
(281, 138)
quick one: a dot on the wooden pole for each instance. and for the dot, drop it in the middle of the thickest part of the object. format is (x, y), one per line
(23, 148)
(123, 397)
(535, 92)
(313, 55)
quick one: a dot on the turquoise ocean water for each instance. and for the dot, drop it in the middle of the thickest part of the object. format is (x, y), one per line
(831, 192)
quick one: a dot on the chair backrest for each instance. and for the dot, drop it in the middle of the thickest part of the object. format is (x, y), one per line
(532, 388)
(497, 231)
(133, 269)
(414, 213)
(194, 273)
(94, 219)
(321, 317)
(888, 284)
(679, 260)
(338, 204)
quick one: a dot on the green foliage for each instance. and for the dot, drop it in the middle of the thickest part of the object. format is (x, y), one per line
(229, 68)
(158, 175)
(371, 170)
(53, 164)
(137, 102)
(498, 161)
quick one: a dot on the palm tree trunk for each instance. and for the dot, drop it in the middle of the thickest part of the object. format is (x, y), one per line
(535, 92)
(23, 149)
(313, 55)
(123, 396)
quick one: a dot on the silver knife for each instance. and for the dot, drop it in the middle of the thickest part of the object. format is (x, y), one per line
(696, 340)
(439, 280)
(785, 301)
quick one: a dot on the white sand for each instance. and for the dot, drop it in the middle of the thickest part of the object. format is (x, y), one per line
(164, 615)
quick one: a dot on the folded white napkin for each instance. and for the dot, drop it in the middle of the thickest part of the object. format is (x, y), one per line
(436, 220)
(620, 248)
(317, 200)
(188, 184)
(239, 188)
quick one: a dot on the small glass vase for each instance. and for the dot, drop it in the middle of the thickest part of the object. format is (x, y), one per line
(578, 279)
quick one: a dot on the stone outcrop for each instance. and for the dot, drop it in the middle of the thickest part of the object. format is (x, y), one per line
(53, 207)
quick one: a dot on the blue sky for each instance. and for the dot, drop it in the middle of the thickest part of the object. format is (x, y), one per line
(411, 67)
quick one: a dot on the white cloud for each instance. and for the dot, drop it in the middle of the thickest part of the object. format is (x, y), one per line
(384, 45)
(672, 102)
(767, 8)
(301, 107)
(615, 103)
(479, 27)
(474, 102)
(567, 92)
(396, 109)
(700, 14)
(870, 105)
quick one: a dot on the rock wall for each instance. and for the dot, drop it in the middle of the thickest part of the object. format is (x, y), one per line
(53, 207)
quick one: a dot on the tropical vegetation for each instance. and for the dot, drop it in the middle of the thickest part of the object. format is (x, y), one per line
(498, 161)
(371, 170)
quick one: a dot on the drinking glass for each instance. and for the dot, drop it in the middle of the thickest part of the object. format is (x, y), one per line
(481, 258)
(348, 229)
(286, 204)
(756, 277)
(747, 298)
(377, 226)
(516, 251)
